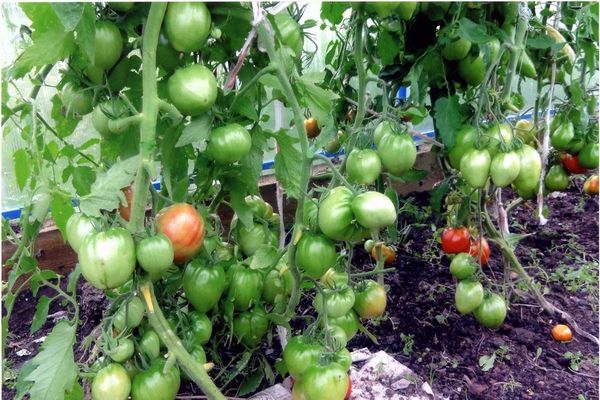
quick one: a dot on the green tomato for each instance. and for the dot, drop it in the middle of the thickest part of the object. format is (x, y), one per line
(250, 326)
(315, 254)
(229, 144)
(468, 296)
(278, 282)
(107, 259)
(111, 383)
(203, 284)
(464, 141)
(79, 227)
(371, 299)
(556, 179)
(491, 312)
(288, 32)
(105, 112)
(95, 74)
(588, 156)
(495, 135)
(348, 322)
(338, 301)
(119, 75)
(384, 128)
(472, 69)
(123, 351)
(398, 153)
(374, 210)
(526, 67)
(197, 352)
(251, 239)
(576, 145)
(344, 358)
(529, 171)
(200, 328)
(122, 6)
(259, 207)
(322, 382)
(563, 135)
(336, 218)
(108, 45)
(155, 384)
(155, 254)
(463, 266)
(363, 166)
(130, 314)
(149, 344)
(187, 25)
(311, 212)
(192, 89)
(436, 10)
(338, 336)
(475, 167)
(505, 168)
(456, 49)
(166, 56)
(76, 101)
(245, 287)
(406, 9)
(299, 354)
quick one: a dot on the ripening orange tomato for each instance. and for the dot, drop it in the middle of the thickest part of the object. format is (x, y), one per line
(591, 185)
(311, 126)
(562, 333)
(386, 252)
(125, 211)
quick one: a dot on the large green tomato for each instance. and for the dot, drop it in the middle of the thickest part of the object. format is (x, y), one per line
(315, 254)
(336, 218)
(193, 89)
(203, 284)
(104, 112)
(472, 69)
(166, 56)
(491, 312)
(463, 266)
(588, 156)
(149, 344)
(456, 49)
(109, 45)
(187, 25)
(155, 254)
(464, 141)
(556, 179)
(130, 314)
(322, 382)
(122, 351)
(250, 326)
(278, 282)
(398, 153)
(299, 354)
(531, 166)
(155, 384)
(374, 210)
(363, 166)
(495, 135)
(288, 32)
(200, 328)
(111, 383)
(229, 144)
(468, 296)
(371, 299)
(107, 259)
(245, 287)
(348, 322)
(505, 168)
(338, 301)
(563, 135)
(475, 167)
(76, 101)
(78, 227)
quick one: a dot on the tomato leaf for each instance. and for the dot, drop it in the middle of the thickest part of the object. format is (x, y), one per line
(61, 209)
(50, 47)
(237, 190)
(418, 81)
(252, 162)
(41, 314)
(387, 47)
(83, 178)
(265, 257)
(251, 382)
(21, 166)
(196, 131)
(279, 320)
(288, 164)
(473, 32)
(63, 126)
(333, 11)
(448, 118)
(69, 14)
(86, 32)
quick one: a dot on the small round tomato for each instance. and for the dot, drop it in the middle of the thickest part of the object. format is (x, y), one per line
(588, 156)
(483, 246)
(130, 314)
(200, 328)
(472, 69)
(245, 286)
(184, 227)
(192, 89)
(475, 167)
(155, 254)
(571, 164)
(155, 383)
(562, 136)
(525, 130)
(384, 128)
(311, 126)
(338, 301)
(107, 259)
(591, 185)
(463, 266)
(108, 45)
(363, 166)
(250, 326)
(505, 168)
(76, 101)
(556, 179)
(374, 210)
(455, 240)
(468, 296)
(123, 351)
(229, 144)
(149, 344)
(325, 382)
(125, 210)
(371, 299)
(464, 141)
(187, 25)
(315, 254)
(388, 253)
(203, 284)
(166, 56)
(111, 383)
(491, 312)
(390, 146)
(562, 333)
(496, 135)
(78, 227)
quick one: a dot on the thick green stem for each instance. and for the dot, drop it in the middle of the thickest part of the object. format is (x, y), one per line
(335, 171)
(373, 272)
(516, 54)
(360, 68)
(116, 125)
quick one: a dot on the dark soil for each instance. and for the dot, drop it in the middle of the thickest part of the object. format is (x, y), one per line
(422, 328)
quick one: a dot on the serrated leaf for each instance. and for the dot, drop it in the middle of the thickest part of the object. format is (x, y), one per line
(68, 13)
(86, 32)
(418, 81)
(473, 32)
(486, 363)
(63, 126)
(48, 48)
(83, 178)
(41, 314)
(196, 131)
(288, 163)
(333, 11)
(540, 42)
(61, 209)
(40, 205)
(265, 257)
(318, 100)
(21, 165)
(246, 108)
(514, 238)
(237, 191)
(251, 382)
(55, 369)
(42, 16)
(448, 118)
(387, 47)
(279, 320)
(105, 191)
(252, 162)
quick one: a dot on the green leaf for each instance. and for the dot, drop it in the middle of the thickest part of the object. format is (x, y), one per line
(318, 100)
(76, 392)
(448, 118)
(48, 48)
(279, 320)
(540, 42)
(73, 279)
(61, 209)
(63, 126)
(106, 189)
(391, 193)
(55, 370)
(387, 47)
(83, 178)
(333, 11)
(174, 173)
(288, 164)
(41, 314)
(265, 257)
(237, 191)
(245, 107)
(69, 14)
(414, 175)
(86, 32)
(43, 17)
(196, 131)
(40, 205)
(473, 32)
(21, 164)
(251, 382)
(252, 163)
(418, 82)
(486, 363)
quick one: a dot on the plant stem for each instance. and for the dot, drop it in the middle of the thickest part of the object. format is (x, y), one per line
(360, 68)
(335, 171)
(373, 272)
(40, 78)
(516, 54)
(267, 70)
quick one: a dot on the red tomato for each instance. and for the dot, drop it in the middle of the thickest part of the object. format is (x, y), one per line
(455, 240)
(184, 226)
(125, 211)
(485, 253)
(571, 164)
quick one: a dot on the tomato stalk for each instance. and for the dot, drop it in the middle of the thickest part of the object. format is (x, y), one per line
(335, 171)
(360, 68)
(516, 54)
